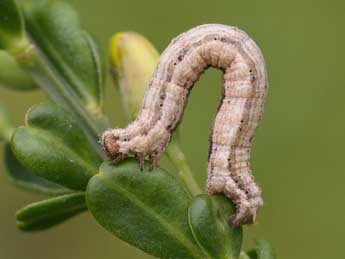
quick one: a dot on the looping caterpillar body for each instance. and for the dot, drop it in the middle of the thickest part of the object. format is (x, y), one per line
(243, 92)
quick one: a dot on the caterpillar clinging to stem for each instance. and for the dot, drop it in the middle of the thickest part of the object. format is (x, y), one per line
(243, 93)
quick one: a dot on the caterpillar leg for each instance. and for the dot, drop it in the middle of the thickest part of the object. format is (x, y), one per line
(118, 159)
(246, 212)
(118, 144)
(247, 202)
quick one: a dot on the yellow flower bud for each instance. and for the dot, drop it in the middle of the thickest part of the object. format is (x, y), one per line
(133, 59)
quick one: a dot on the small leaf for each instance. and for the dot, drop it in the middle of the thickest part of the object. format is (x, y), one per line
(11, 27)
(45, 214)
(54, 147)
(208, 218)
(12, 76)
(55, 28)
(263, 250)
(99, 61)
(100, 68)
(146, 209)
(21, 177)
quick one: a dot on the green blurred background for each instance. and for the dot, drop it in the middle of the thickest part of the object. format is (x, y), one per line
(298, 152)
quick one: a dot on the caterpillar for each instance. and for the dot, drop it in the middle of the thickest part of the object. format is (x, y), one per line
(244, 88)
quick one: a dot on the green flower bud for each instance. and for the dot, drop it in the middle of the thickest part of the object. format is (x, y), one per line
(134, 59)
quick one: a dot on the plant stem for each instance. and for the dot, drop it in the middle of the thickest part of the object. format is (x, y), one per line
(6, 127)
(178, 158)
(6, 132)
(44, 74)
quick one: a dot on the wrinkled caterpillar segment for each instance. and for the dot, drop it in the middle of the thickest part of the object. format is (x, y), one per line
(243, 93)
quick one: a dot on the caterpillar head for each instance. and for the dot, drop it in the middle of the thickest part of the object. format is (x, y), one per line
(110, 144)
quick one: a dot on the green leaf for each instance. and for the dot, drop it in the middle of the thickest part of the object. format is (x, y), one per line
(45, 214)
(146, 209)
(54, 147)
(263, 250)
(99, 61)
(11, 26)
(208, 218)
(55, 28)
(11, 74)
(21, 177)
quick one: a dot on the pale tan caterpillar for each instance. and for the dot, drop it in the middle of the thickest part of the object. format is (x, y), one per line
(243, 93)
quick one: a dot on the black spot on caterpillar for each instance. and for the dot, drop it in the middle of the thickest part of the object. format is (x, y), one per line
(243, 94)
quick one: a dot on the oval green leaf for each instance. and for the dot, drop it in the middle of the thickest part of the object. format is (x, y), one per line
(98, 60)
(146, 209)
(208, 218)
(54, 147)
(11, 74)
(48, 213)
(262, 250)
(55, 28)
(21, 177)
